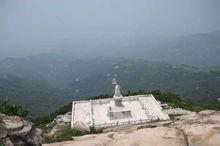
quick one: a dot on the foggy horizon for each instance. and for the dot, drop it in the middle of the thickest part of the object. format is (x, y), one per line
(32, 27)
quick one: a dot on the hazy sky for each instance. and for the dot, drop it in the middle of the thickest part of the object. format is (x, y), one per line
(37, 25)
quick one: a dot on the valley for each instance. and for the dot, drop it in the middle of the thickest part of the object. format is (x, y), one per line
(42, 83)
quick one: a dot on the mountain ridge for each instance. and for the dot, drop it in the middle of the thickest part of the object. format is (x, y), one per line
(53, 81)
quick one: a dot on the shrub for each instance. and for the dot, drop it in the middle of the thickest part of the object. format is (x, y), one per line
(9, 109)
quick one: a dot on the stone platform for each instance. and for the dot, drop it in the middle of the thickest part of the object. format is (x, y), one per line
(142, 108)
(118, 113)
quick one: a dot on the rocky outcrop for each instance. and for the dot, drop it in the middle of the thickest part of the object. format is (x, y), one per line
(189, 129)
(81, 126)
(3, 132)
(57, 125)
(17, 131)
(177, 111)
(201, 129)
(63, 119)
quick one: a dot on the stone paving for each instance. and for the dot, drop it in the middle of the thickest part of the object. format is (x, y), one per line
(144, 108)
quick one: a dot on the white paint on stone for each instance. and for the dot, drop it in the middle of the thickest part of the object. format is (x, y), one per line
(144, 108)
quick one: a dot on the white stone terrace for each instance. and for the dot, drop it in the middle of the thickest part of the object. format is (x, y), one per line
(144, 108)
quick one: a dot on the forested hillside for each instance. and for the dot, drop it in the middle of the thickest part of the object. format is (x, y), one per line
(185, 80)
(37, 96)
(44, 82)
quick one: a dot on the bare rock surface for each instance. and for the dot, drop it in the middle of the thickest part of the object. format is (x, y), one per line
(66, 118)
(202, 129)
(7, 142)
(17, 131)
(177, 111)
(192, 129)
(12, 123)
(35, 136)
(3, 132)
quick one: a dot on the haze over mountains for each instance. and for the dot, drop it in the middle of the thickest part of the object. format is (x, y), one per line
(51, 80)
(200, 50)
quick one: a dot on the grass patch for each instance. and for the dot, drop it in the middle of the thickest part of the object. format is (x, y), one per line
(65, 133)
(48, 128)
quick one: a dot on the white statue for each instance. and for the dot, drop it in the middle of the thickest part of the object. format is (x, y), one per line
(118, 96)
(117, 91)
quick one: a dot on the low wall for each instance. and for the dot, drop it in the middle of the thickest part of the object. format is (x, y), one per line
(141, 121)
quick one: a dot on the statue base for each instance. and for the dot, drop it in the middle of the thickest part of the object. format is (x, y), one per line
(118, 101)
(115, 113)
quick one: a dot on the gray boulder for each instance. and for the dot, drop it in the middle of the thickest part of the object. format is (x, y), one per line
(35, 137)
(17, 131)
(3, 132)
(81, 126)
(7, 142)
